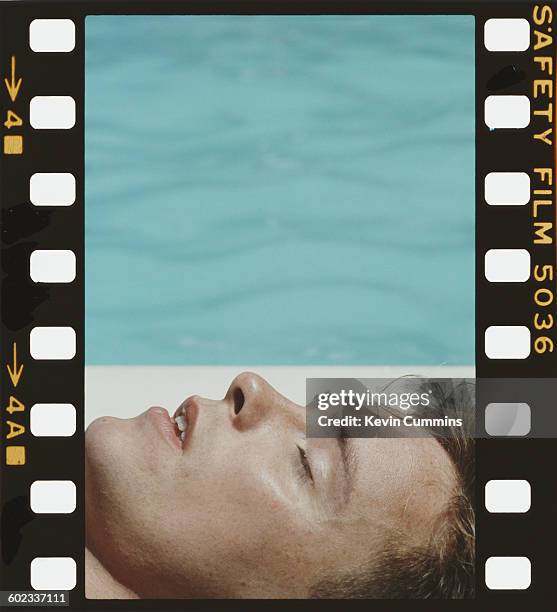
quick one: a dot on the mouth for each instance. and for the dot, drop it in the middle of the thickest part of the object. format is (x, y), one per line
(184, 420)
(162, 422)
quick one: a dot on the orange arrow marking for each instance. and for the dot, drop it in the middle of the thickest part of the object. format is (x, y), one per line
(15, 373)
(13, 85)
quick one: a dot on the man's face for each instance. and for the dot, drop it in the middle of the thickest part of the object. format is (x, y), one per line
(245, 506)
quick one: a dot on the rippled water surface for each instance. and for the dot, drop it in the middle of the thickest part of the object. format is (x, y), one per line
(280, 190)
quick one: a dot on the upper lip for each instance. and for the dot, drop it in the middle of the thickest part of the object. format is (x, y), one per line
(188, 410)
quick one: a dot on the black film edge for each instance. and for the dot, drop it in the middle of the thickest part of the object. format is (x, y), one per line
(27, 305)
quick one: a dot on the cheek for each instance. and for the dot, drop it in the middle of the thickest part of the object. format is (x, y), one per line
(251, 530)
(253, 484)
(237, 499)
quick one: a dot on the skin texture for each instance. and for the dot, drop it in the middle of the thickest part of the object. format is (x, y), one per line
(234, 513)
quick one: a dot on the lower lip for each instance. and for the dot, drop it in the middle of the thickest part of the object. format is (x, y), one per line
(160, 418)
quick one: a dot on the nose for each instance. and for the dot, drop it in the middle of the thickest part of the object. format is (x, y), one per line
(253, 401)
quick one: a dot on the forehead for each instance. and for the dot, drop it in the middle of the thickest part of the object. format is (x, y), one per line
(404, 482)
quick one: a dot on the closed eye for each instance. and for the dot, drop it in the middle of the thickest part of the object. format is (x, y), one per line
(305, 464)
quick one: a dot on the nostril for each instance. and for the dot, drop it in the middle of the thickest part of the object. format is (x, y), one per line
(238, 397)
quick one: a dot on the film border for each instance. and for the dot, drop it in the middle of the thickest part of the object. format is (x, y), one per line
(26, 305)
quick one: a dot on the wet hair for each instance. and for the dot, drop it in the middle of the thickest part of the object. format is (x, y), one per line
(443, 567)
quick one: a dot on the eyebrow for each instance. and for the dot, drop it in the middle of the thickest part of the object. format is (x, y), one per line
(349, 464)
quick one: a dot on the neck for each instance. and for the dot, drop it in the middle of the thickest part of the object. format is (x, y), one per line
(100, 584)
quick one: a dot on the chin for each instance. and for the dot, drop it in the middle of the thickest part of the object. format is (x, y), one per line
(105, 443)
(110, 475)
(123, 472)
(127, 493)
(109, 466)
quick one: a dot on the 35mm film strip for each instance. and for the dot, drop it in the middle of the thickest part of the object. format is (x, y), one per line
(42, 62)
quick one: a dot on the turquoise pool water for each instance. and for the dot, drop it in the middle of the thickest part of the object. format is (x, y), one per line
(280, 190)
